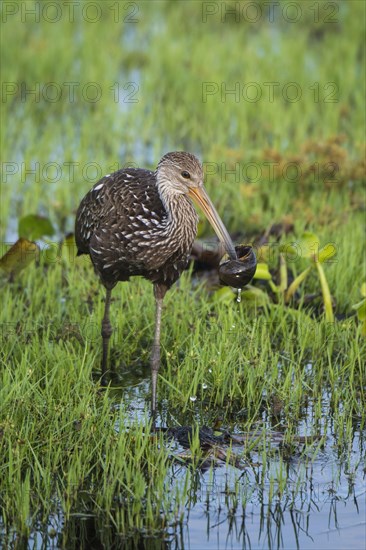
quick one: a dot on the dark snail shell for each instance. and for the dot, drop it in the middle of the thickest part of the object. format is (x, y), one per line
(240, 272)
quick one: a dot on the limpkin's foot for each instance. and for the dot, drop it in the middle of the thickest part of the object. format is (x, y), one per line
(104, 380)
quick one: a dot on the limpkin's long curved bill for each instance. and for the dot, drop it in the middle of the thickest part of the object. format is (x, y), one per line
(199, 195)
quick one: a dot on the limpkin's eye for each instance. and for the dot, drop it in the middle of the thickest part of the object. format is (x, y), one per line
(186, 174)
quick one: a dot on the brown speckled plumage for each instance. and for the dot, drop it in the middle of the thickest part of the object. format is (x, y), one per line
(138, 222)
(125, 227)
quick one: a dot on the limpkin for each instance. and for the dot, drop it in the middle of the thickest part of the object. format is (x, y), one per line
(139, 222)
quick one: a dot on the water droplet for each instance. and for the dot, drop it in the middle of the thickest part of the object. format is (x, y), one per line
(238, 299)
(193, 398)
(204, 386)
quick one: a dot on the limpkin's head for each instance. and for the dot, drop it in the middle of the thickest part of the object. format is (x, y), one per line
(181, 173)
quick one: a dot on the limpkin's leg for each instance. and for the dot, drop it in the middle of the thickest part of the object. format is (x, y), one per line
(159, 293)
(106, 334)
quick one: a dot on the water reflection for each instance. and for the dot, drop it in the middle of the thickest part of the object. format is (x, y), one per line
(311, 496)
(311, 514)
(308, 497)
(217, 519)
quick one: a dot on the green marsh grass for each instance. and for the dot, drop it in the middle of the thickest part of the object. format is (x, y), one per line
(70, 448)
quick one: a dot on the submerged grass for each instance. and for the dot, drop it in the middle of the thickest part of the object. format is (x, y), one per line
(69, 448)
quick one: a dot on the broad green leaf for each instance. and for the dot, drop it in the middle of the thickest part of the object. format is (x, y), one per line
(19, 256)
(254, 296)
(363, 290)
(224, 295)
(250, 295)
(34, 227)
(290, 249)
(262, 272)
(327, 252)
(309, 245)
(305, 247)
(361, 309)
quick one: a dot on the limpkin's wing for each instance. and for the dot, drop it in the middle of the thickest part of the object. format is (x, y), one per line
(117, 197)
(88, 214)
(120, 222)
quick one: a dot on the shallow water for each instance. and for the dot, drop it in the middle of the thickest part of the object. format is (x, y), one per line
(324, 514)
(321, 503)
